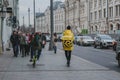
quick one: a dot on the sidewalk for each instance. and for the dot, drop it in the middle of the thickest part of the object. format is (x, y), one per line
(52, 67)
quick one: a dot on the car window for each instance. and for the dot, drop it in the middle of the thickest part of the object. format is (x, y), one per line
(105, 37)
(87, 37)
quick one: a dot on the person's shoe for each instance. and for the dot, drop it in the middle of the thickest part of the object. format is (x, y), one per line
(68, 64)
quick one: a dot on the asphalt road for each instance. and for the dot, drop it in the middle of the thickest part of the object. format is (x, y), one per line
(104, 57)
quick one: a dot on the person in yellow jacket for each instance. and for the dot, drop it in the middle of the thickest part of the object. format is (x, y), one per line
(67, 42)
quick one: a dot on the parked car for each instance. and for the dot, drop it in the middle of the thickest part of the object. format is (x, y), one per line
(60, 37)
(86, 40)
(77, 39)
(118, 51)
(103, 40)
(47, 38)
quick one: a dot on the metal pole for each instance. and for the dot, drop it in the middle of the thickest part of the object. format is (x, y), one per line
(23, 24)
(79, 14)
(65, 17)
(107, 19)
(34, 15)
(89, 29)
(51, 26)
(29, 16)
(2, 20)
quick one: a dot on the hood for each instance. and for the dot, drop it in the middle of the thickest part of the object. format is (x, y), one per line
(108, 40)
(67, 32)
(88, 40)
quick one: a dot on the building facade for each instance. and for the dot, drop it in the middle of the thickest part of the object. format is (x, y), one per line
(59, 18)
(43, 21)
(11, 8)
(105, 16)
(93, 16)
(77, 15)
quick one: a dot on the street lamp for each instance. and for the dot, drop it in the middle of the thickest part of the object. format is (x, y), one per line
(29, 16)
(34, 15)
(2, 14)
(51, 25)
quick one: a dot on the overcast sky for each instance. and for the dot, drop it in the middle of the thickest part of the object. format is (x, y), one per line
(41, 5)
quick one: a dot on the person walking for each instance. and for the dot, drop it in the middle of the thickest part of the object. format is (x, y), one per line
(55, 42)
(23, 44)
(15, 43)
(67, 42)
(27, 46)
(36, 46)
(43, 40)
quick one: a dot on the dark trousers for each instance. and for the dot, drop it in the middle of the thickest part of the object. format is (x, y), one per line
(31, 52)
(15, 50)
(55, 49)
(38, 54)
(68, 56)
(23, 50)
(35, 52)
(27, 49)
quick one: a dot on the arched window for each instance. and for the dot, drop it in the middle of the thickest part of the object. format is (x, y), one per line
(118, 26)
(111, 27)
(92, 28)
(96, 28)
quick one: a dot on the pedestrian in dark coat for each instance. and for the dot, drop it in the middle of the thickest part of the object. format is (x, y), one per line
(15, 42)
(36, 45)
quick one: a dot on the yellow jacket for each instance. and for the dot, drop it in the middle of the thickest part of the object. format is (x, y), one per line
(67, 40)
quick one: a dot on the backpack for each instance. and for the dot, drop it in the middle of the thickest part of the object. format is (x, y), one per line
(55, 40)
(36, 42)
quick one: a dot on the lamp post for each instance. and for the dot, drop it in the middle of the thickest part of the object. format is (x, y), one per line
(34, 15)
(29, 17)
(2, 14)
(51, 25)
(107, 22)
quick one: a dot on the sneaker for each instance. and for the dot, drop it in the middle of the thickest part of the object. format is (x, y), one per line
(68, 64)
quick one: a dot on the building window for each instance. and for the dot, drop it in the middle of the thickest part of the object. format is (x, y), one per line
(111, 12)
(96, 28)
(104, 2)
(91, 4)
(100, 14)
(100, 2)
(118, 26)
(104, 13)
(95, 3)
(91, 16)
(95, 15)
(111, 27)
(92, 28)
(117, 10)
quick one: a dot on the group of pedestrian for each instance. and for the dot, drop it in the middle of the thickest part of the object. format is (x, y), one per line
(26, 43)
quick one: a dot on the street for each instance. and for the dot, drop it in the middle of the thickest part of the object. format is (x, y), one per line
(104, 57)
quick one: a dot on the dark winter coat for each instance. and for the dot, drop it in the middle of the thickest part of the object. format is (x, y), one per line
(36, 42)
(15, 39)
